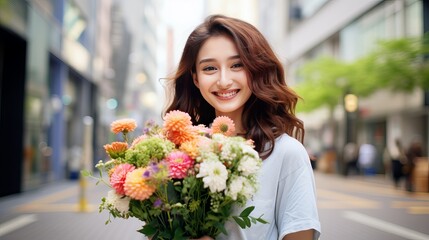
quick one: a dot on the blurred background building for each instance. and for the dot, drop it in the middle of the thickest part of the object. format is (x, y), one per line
(347, 30)
(62, 60)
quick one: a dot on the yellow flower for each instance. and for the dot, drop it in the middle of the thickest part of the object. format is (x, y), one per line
(136, 187)
(223, 125)
(123, 125)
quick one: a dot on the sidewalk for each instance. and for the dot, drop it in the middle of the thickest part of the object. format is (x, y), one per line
(53, 212)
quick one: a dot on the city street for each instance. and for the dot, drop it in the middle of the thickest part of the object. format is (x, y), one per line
(353, 208)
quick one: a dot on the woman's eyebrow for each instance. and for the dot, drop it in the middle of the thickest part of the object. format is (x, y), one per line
(213, 60)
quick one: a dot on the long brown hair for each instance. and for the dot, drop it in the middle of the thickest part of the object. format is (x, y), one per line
(269, 112)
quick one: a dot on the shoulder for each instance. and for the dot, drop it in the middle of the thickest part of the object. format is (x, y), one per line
(288, 154)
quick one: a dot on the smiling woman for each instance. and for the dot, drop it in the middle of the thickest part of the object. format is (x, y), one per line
(228, 69)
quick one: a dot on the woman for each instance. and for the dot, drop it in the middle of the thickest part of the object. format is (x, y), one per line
(228, 69)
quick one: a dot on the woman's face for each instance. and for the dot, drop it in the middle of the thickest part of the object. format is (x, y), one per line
(221, 78)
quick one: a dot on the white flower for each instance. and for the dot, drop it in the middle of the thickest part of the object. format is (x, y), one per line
(248, 165)
(120, 203)
(249, 188)
(235, 186)
(214, 175)
(249, 150)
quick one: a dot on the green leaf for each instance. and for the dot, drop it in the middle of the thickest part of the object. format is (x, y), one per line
(148, 230)
(85, 173)
(246, 212)
(239, 221)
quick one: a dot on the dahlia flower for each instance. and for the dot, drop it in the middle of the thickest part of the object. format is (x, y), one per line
(123, 125)
(118, 175)
(136, 187)
(179, 163)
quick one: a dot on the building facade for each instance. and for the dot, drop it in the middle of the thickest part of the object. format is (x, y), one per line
(54, 56)
(347, 30)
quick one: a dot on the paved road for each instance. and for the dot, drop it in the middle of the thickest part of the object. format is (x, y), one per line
(354, 208)
(366, 208)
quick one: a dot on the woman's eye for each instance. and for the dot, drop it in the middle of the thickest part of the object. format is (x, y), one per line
(209, 68)
(237, 65)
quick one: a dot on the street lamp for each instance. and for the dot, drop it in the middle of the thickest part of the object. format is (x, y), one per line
(351, 103)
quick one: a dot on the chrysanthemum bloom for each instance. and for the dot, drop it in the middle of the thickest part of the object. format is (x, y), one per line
(214, 175)
(223, 125)
(116, 149)
(118, 176)
(123, 125)
(177, 121)
(179, 163)
(136, 187)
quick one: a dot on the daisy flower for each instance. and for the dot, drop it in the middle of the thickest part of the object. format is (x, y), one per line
(223, 125)
(118, 175)
(136, 187)
(123, 125)
(179, 164)
(214, 175)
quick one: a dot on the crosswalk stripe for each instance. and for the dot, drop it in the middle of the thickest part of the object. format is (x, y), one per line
(385, 226)
(16, 223)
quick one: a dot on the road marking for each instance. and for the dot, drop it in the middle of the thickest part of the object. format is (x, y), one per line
(412, 207)
(338, 200)
(16, 223)
(385, 226)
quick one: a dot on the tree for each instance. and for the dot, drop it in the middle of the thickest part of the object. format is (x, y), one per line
(398, 64)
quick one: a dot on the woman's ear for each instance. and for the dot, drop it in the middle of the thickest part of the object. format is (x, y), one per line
(195, 79)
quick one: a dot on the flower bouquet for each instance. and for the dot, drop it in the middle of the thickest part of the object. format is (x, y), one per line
(181, 180)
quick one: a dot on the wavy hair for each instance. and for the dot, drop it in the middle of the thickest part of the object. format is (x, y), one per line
(270, 110)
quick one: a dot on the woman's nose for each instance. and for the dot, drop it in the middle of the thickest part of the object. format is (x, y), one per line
(225, 80)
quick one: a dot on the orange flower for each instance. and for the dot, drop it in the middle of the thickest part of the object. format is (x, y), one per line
(116, 149)
(136, 187)
(123, 125)
(177, 121)
(179, 137)
(191, 148)
(223, 125)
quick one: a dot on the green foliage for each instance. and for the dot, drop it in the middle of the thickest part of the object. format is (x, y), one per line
(148, 150)
(398, 64)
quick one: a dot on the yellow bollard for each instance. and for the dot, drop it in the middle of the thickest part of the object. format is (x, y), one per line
(85, 163)
(83, 202)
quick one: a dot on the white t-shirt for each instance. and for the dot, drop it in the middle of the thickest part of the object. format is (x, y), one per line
(286, 196)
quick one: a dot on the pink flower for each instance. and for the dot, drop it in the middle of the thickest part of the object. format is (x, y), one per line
(117, 179)
(179, 164)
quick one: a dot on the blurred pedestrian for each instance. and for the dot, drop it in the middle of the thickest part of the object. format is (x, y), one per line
(398, 160)
(350, 157)
(414, 151)
(366, 158)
